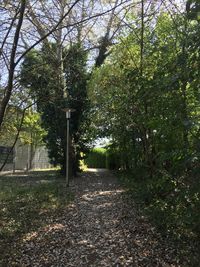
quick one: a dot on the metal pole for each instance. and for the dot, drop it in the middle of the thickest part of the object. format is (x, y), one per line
(67, 155)
(14, 158)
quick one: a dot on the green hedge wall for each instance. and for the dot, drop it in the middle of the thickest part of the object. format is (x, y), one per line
(96, 158)
(103, 158)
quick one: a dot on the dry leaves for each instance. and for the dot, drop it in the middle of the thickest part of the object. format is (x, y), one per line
(100, 228)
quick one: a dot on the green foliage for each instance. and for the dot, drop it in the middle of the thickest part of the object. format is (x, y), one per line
(76, 83)
(108, 157)
(172, 205)
(148, 105)
(193, 9)
(96, 158)
(41, 72)
(113, 159)
(10, 125)
(154, 116)
(32, 133)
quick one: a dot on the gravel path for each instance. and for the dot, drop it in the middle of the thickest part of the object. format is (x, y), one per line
(100, 228)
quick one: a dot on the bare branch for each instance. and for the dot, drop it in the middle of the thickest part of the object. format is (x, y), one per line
(9, 88)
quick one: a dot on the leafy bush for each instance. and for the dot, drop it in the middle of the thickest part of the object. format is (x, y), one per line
(96, 158)
(112, 159)
(173, 204)
(108, 158)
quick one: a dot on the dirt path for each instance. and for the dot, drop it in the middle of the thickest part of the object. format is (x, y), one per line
(100, 228)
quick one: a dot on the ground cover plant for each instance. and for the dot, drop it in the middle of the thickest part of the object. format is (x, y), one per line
(172, 206)
(26, 202)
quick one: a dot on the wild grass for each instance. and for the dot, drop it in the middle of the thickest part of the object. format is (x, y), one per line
(27, 201)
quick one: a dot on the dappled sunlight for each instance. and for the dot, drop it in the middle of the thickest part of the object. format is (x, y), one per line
(96, 229)
(91, 195)
(45, 181)
(28, 205)
(29, 236)
(96, 170)
(47, 230)
(53, 227)
(105, 205)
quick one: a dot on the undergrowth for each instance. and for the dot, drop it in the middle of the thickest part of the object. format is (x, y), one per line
(26, 203)
(172, 205)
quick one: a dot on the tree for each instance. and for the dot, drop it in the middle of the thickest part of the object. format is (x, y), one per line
(32, 133)
(76, 76)
(29, 24)
(193, 9)
(15, 42)
(156, 95)
(40, 73)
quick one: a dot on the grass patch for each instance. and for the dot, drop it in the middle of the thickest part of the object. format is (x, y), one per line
(26, 203)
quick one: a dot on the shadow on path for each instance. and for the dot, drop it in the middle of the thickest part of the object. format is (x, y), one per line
(100, 228)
